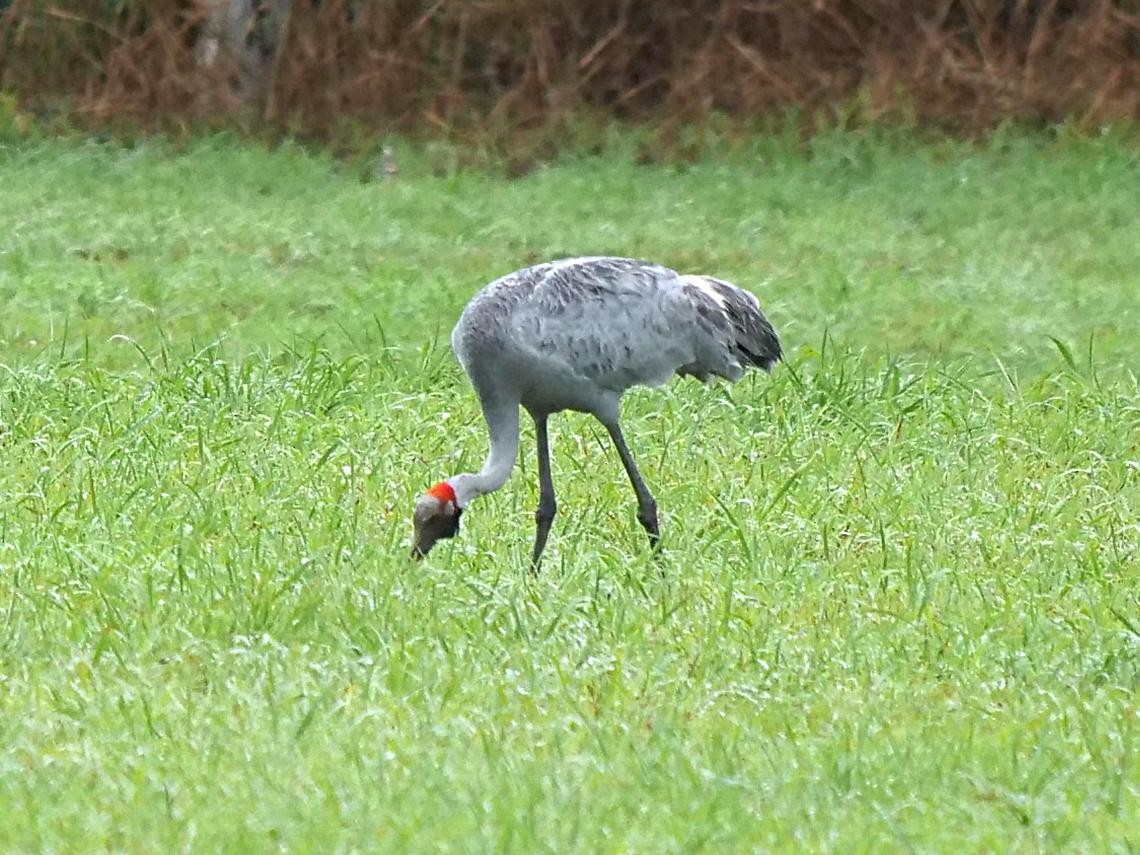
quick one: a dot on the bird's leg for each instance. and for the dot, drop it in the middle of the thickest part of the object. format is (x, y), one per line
(547, 506)
(646, 505)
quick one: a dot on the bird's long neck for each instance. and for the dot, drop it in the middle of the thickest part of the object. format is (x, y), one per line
(503, 427)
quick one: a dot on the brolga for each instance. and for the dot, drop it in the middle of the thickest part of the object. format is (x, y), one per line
(575, 334)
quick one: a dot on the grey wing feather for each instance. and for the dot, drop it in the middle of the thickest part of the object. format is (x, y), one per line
(614, 323)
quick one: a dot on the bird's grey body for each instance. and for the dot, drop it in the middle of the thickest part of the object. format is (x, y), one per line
(575, 334)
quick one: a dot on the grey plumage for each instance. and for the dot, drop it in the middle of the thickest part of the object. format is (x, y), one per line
(575, 334)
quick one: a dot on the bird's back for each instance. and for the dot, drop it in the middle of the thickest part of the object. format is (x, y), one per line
(576, 333)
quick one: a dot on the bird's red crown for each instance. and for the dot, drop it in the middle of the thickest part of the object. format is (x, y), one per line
(444, 492)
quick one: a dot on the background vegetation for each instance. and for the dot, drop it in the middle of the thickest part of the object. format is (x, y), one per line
(507, 72)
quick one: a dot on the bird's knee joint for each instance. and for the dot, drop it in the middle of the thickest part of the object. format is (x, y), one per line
(545, 512)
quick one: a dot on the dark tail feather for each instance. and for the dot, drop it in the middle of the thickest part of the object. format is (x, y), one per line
(756, 340)
(735, 332)
(766, 359)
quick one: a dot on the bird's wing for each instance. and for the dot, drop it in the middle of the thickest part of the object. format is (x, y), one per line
(616, 322)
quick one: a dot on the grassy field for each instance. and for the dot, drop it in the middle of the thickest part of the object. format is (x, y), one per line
(898, 607)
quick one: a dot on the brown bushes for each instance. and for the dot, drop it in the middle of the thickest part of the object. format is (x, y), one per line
(504, 64)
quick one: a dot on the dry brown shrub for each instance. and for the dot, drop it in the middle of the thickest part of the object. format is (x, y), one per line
(502, 65)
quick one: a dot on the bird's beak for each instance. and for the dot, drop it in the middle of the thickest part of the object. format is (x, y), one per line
(422, 545)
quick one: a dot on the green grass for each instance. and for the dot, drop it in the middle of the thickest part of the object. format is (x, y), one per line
(899, 603)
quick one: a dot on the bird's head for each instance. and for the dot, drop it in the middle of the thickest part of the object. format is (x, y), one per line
(436, 517)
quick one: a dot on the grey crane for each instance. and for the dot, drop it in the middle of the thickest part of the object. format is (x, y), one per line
(575, 334)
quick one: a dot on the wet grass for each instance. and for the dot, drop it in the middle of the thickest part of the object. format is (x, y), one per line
(898, 606)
